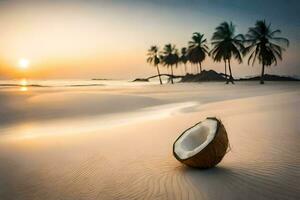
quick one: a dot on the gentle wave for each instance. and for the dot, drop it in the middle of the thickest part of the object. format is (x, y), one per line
(70, 83)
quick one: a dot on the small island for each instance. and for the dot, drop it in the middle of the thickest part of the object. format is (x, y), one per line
(211, 76)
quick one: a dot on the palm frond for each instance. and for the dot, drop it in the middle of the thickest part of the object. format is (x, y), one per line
(226, 43)
(267, 48)
(281, 40)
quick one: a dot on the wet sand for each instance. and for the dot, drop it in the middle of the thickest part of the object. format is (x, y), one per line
(116, 143)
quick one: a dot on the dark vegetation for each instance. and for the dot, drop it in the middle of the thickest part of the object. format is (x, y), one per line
(260, 43)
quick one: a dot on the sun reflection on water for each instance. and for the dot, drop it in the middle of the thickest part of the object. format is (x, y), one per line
(23, 89)
(23, 85)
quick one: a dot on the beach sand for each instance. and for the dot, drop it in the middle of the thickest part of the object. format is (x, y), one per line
(116, 142)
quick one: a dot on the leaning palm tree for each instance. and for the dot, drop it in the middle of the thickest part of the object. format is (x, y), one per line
(226, 44)
(197, 49)
(153, 58)
(184, 58)
(170, 58)
(264, 45)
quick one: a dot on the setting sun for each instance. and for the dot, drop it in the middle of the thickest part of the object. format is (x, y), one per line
(23, 82)
(23, 63)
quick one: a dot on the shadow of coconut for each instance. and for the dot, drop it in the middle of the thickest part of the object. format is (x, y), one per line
(237, 183)
(214, 183)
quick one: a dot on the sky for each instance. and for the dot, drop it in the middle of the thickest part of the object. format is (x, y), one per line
(109, 39)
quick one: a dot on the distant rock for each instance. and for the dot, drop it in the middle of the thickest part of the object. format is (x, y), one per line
(270, 77)
(212, 75)
(141, 80)
(101, 79)
(209, 75)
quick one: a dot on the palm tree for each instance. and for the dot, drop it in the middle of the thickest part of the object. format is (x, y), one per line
(264, 45)
(176, 58)
(227, 45)
(197, 49)
(184, 58)
(153, 58)
(170, 58)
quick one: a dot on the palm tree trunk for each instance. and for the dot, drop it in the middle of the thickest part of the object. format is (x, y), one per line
(262, 74)
(172, 74)
(225, 70)
(200, 67)
(231, 78)
(158, 74)
(227, 78)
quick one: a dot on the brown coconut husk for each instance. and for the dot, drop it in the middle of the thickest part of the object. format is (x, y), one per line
(212, 154)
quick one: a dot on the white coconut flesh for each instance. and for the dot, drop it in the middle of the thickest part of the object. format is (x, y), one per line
(196, 139)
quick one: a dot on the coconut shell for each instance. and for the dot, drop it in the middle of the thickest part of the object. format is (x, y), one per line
(212, 154)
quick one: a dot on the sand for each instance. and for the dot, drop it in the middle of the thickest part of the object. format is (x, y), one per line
(116, 142)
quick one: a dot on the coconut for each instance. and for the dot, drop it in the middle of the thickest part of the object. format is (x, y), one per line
(203, 145)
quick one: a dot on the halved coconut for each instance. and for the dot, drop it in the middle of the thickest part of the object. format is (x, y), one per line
(203, 145)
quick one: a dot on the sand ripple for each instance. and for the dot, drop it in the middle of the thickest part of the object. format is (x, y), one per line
(134, 161)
